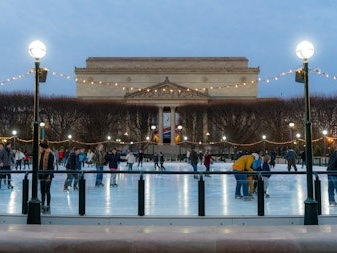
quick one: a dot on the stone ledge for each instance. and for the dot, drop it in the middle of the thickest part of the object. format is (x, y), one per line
(65, 238)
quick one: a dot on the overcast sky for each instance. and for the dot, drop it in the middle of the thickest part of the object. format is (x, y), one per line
(266, 32)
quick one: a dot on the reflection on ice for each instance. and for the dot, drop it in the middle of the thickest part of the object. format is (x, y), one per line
(172, 195)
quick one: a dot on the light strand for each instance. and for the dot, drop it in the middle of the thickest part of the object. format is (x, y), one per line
(8, 138)
(124, 85)
(15, 78)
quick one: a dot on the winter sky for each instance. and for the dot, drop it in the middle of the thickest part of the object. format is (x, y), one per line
(265, 31)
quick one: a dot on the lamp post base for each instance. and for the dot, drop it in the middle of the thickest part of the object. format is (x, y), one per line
(34, 212)
(311, 212)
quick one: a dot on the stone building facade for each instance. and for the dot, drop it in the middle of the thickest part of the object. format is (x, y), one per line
(167, 83)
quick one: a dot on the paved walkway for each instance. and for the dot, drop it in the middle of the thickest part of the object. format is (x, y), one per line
(52, 238)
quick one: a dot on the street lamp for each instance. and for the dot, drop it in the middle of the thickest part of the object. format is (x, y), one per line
(224, 138)
(109, 140)
(14, 137)
(42, 125)
(298, 135)
(153, 127)
(325, 132)
(304, 51)
(37, 50)
(180, 128)
(264, 142)
(69, 140)
(291, 125)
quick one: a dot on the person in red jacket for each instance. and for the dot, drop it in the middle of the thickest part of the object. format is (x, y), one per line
(207, 162)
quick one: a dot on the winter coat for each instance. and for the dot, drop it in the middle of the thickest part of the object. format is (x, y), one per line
(98, 158)
(266, 167)
(332, 165)
(244, 163)
(72, 162)
(194, 157)
(130, 158)
(112, 160)
(290, 155)
(6, 157)
(49, 165)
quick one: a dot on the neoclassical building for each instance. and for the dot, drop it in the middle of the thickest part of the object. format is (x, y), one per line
(167, 83)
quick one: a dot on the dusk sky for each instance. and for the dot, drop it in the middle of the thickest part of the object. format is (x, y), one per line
(266, 32)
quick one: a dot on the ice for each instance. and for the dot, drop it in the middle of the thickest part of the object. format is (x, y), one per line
(172, 194)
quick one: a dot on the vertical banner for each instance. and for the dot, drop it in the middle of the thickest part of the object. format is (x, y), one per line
(166, 125)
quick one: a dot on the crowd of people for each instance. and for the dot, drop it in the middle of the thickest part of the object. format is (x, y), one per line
(257, 163)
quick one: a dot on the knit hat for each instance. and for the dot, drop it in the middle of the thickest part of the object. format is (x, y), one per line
(44, 144)
(256, 156)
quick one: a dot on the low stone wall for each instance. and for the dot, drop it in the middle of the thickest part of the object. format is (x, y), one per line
(64, 238)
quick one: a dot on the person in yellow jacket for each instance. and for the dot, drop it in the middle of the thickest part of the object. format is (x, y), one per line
(243, 164)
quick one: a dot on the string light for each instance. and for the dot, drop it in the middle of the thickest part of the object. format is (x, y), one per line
(14, 78)
(211, 87)
(4, 138)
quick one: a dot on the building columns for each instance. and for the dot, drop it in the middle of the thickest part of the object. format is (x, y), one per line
(160, 125)
(173, 125)
(205, 137)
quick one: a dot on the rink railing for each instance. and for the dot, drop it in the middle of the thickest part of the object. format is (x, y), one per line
(141, 186)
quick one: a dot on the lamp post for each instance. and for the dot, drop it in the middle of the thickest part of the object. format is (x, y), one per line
(208, 136)
(291, 125)
(185, 140)
(325, 132)
(109, 142)
(42, 125)
(180, 128)
(37, 50)
(304, 51)
(298, 135)
(69, 140)
(14, 137)
(224, 138)
(264, 143)
(153, 127)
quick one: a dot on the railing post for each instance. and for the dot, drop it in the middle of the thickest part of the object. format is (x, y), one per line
(260, 196)
(81, 195)
(25, 193)
(141, 196)
(318, 196)
(201, 196)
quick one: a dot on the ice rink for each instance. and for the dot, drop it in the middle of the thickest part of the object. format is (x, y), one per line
(171, 194)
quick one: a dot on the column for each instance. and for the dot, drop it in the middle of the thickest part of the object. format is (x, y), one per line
(205, 126)
(173, 125)
(160, 125)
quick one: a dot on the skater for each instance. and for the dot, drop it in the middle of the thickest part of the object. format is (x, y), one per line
(161, 160)
(46, 163)
(207, 162)
(332, 179)
(265, 176)
(113, 160)
(140, 158)
(291, 158)
(99, 161)
(244, 163)
(72, 164)
(156, 160)
(6, 161)
(130, 157)
(194, 161)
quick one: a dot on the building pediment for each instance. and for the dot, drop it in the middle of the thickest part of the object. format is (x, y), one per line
(167, 90)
